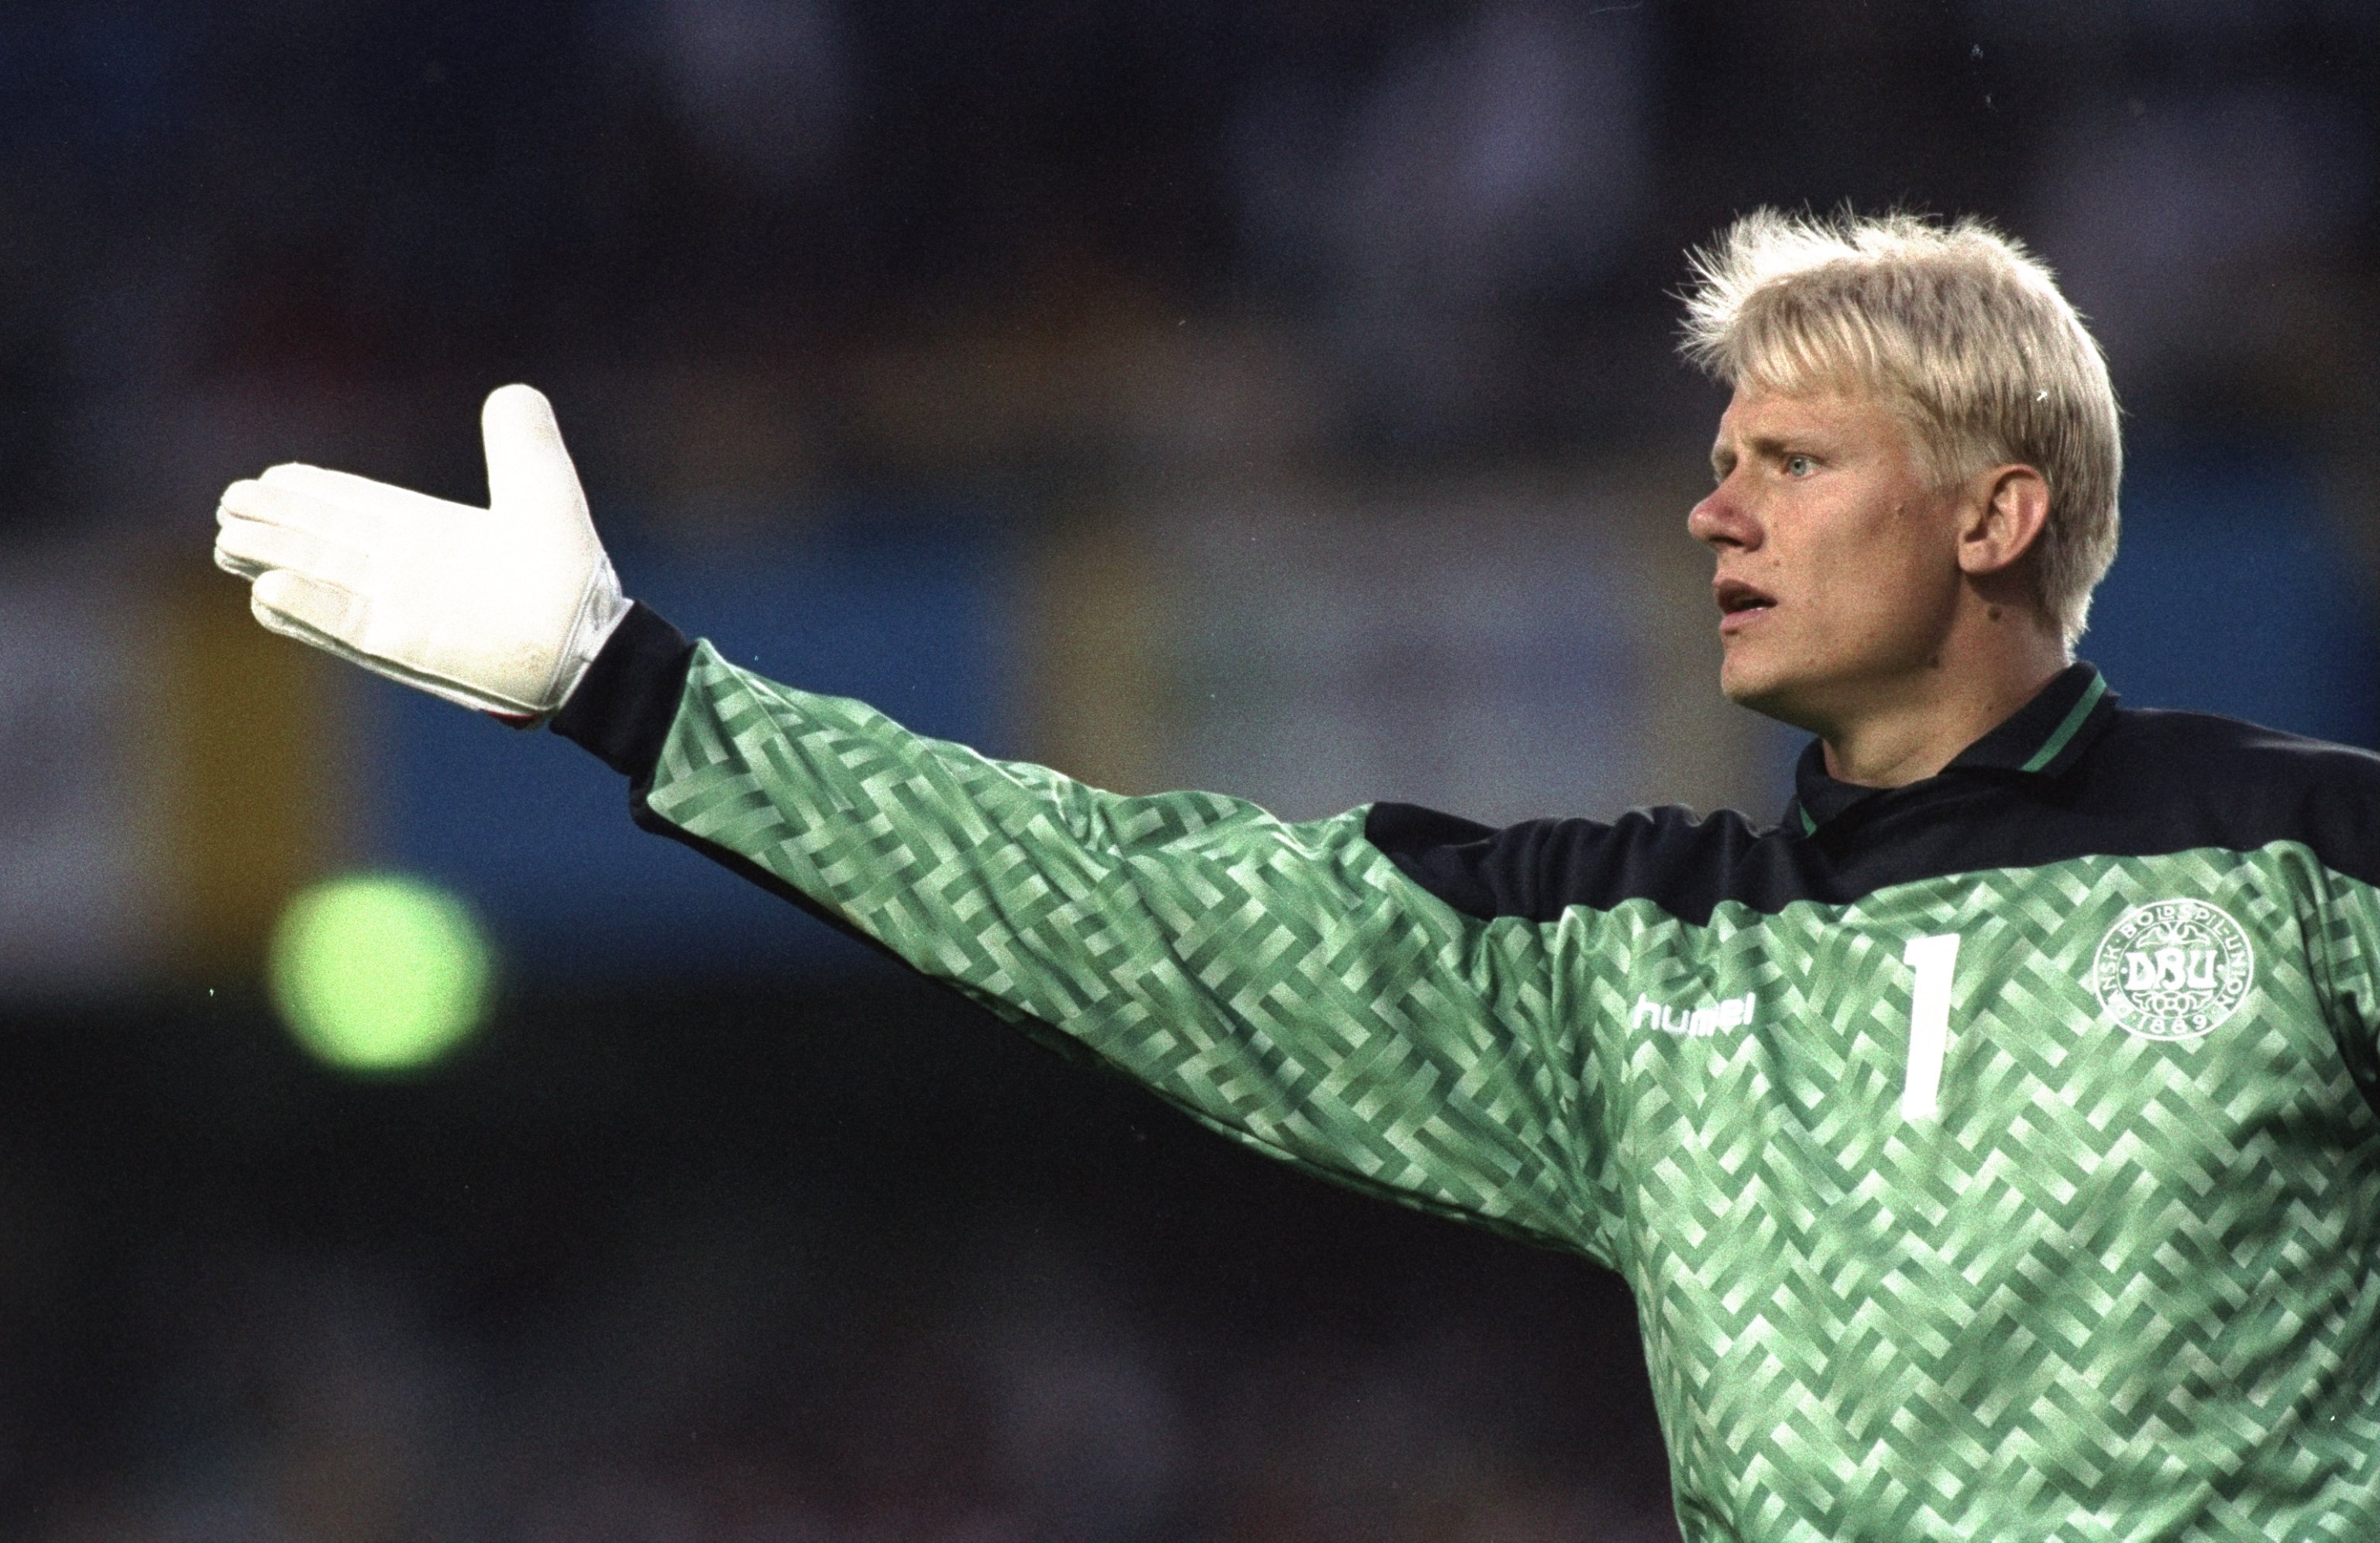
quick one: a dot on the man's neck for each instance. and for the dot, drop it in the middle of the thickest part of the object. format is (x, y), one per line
(1917, 728)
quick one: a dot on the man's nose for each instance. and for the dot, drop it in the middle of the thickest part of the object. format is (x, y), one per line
(1719, 520)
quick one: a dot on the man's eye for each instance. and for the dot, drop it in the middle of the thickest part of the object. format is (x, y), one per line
(1799, 466)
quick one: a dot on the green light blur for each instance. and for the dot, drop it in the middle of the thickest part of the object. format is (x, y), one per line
(377, 972)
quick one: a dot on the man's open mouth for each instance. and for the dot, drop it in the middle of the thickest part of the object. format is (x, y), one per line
(1735, 598)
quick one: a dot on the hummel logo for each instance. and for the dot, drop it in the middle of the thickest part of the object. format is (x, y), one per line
(1700, 1023)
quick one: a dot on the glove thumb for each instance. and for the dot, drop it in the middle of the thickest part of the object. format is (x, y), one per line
(528, 471)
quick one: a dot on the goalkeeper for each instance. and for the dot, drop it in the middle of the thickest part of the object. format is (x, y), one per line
(1990, 1145)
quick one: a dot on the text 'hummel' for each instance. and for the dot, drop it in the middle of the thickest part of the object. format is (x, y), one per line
(1700, 1023)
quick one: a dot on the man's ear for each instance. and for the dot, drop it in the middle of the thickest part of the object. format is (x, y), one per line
(2005, 516)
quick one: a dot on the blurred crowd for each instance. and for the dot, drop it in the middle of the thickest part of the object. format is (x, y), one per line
(706, 1395)
(854, 1265)
(762, 248)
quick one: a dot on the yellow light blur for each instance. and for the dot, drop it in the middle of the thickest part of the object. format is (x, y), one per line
(378, 972)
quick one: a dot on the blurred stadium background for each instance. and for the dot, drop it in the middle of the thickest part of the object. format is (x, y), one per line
(1270, 397)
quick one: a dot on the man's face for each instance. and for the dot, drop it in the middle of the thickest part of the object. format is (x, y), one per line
(1837, 572)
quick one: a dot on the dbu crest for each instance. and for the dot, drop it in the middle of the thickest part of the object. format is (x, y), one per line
(2173, 969)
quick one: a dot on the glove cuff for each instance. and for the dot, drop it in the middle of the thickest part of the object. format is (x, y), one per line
(627, 696)
(601, 607)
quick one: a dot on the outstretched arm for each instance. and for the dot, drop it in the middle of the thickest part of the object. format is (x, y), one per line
(1284, 983)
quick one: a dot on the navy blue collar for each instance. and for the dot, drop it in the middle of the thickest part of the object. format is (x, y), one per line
(2042, 739)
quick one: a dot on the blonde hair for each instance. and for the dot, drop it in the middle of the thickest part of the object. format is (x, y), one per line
(1956, 325)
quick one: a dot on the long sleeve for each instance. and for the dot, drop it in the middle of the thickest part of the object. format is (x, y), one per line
(1284, 983)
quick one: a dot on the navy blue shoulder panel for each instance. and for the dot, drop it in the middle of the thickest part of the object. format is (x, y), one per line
(1536, 870)
(2151, 782)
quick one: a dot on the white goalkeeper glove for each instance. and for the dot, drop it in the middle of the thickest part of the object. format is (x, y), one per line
(500, 609)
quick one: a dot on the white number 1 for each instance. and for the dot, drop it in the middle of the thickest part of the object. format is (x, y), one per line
(1929, 1023)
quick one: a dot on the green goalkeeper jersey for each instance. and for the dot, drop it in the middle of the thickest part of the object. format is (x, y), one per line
(1990, 1158)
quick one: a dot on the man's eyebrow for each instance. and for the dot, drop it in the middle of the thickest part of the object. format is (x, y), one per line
(1762, 446)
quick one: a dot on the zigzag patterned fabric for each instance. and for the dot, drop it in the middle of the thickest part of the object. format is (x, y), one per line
(1945, 1215)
